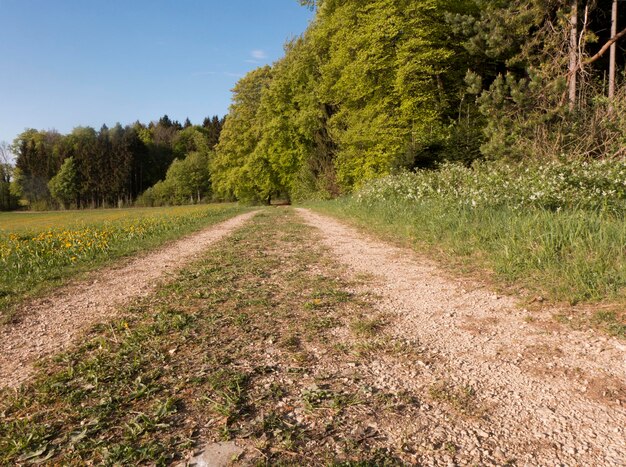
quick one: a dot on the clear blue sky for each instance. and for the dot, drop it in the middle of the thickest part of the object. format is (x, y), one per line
(65, 63)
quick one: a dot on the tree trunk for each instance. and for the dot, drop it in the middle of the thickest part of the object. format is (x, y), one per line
(573, 54)
(612, 57)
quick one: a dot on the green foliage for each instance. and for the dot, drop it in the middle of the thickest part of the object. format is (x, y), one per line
(36, 156)
(391, 76)
(16, 184)
(8, 199)
(370, 87)
(189, 140)
(374, 87)
(113, 165)
(187, 181)
(238, 169)
(64, 185)
(521, 54)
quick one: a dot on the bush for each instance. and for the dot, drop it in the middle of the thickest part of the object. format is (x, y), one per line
(598, 185)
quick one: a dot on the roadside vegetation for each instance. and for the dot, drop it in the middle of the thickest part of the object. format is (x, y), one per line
(252, 342)
(39, 250)
(555, 231)
(372, 88)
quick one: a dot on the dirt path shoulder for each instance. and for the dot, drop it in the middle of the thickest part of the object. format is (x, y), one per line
(526, 390)
(53, 322)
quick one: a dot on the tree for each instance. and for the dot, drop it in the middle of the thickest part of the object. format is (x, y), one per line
(187, 181)
(38, 157)
(548, 78)
(189, 140)
(213, 128)
(291, 121)
(6, 155)
(8, 199)
(64, 185)
(573, 54)
(369, 88)
(613, 54)
(189, 178)
(84, 145)
(233, 168)
(120, 166)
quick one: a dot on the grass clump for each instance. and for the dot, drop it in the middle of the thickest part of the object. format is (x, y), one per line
(460, 398)
(367, 326)
(611, 322)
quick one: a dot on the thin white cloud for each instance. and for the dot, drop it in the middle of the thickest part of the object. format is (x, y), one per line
(203, 73)
(259, 54)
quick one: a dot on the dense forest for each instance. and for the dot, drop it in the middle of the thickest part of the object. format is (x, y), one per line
(112, 166)
(373, 87)
(370, 88)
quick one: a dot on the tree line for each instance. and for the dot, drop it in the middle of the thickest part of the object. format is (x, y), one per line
(106, 167)
(376, 86)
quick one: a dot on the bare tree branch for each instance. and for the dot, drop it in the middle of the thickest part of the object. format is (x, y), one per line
(6, 156)
(606, 47)
(581, 38)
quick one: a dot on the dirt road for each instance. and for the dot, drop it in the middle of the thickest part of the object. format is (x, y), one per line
(341, 346)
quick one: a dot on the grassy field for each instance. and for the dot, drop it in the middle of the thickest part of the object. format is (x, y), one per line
(240, 346)
(34, 222)
(40, 250)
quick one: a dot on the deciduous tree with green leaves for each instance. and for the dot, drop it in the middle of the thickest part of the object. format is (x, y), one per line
(238, 171)
(370, 87)
(64, 185)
